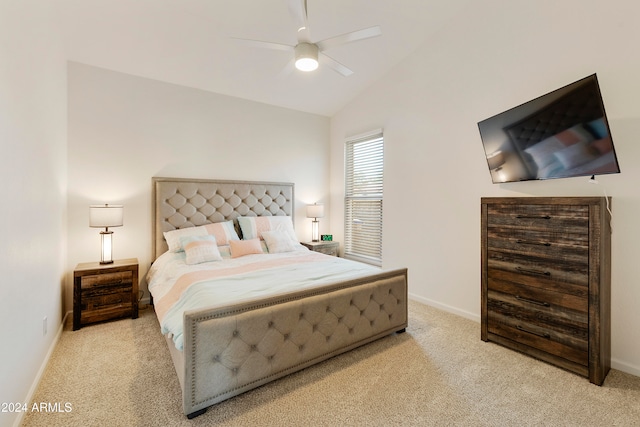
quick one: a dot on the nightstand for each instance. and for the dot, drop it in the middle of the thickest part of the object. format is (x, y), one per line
(329, 248)
(105, 291)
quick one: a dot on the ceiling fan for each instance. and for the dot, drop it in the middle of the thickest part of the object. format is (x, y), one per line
(307, 53)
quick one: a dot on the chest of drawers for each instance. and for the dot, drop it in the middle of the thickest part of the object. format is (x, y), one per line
(546, 280)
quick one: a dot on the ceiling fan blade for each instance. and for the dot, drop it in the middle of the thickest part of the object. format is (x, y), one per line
(286, 71)
(264, 45)
(335, 65)
(298, 11)
(350, 37)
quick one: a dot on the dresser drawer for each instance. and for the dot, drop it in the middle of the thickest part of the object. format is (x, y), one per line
(548, 321)
(557, 245)
(572, 219)
(542, 339)
(549, 268)
(107, 279)
(495, 277)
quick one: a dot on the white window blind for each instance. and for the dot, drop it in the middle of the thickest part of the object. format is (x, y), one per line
(363, 198)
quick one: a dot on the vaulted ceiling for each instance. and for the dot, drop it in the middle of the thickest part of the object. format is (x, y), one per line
(190, 43)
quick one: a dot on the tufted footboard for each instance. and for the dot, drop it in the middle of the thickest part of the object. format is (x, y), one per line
(230, 350)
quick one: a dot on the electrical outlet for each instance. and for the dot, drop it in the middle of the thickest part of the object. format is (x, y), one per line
(44, 325)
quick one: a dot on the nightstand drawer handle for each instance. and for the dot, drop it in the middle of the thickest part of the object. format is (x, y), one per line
(533, 271)
(527, 242)
(532, 301)
(538, 334)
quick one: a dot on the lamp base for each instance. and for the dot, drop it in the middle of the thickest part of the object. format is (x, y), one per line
(106, 246)
(315, 227)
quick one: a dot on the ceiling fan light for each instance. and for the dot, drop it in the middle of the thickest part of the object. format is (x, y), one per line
(306, 56)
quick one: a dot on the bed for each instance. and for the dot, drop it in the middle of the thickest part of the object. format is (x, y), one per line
(260, 306)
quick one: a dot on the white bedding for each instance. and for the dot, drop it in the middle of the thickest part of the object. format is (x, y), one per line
(177, 287)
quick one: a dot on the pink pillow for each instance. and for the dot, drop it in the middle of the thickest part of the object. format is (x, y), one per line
(245, 247)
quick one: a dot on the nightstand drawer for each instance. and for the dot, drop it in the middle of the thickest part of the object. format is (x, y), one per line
(107, 279)
(99, 297)
(327, 248)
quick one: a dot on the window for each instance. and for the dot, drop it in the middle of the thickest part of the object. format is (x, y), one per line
(363, 198)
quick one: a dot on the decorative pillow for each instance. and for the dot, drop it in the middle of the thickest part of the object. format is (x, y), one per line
(245, 247)
(575, 155)
(599, 128)
(278, 241)
(200, 249)
(253, 226)
(573, 135)
(603, 145)
(223, 232)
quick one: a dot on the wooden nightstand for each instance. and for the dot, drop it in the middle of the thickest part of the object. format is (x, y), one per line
(329, 248)
(105, 291)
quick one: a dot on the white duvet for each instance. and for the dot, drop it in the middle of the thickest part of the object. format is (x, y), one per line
(177, 287)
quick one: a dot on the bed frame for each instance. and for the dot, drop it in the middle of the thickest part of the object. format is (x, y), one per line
(230, 350)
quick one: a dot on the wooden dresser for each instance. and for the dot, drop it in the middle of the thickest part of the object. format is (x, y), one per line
(105, 291)
(546, 286)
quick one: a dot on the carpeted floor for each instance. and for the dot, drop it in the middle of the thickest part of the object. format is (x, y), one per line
(437, 373)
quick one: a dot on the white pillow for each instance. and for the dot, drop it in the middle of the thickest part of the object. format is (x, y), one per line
(199, 249)
(278, 241)
(223, 232)
(253, 226)
(173, 237)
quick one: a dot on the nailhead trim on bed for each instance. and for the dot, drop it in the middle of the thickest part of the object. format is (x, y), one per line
(252, 347)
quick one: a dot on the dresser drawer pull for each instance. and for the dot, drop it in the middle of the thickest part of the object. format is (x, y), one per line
(527, 242)
(532, 301)
(533, 271)
(539, 334)
(533, 217)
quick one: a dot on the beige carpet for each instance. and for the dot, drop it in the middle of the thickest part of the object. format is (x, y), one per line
(437, 373)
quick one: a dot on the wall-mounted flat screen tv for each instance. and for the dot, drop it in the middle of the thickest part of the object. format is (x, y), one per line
(562, 134)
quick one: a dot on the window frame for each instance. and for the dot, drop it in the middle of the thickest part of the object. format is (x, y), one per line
(364, 197)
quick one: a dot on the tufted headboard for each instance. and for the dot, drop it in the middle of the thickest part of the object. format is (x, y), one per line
(180, 203)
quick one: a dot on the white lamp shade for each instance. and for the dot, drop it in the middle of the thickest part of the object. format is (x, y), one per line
(315, 211)
(104, 216)
(496, 159)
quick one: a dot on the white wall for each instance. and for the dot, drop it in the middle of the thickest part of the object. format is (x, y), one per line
(498, 55)
(33, 173)
(123, 130)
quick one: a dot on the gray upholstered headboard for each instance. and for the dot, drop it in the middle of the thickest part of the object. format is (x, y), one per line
(180, 203)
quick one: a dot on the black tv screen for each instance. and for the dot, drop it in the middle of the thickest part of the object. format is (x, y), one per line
(562, 134)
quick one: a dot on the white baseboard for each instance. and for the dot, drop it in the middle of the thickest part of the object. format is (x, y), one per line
(43, 367)
(615, 363)
(447, 308)
(625, 367)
